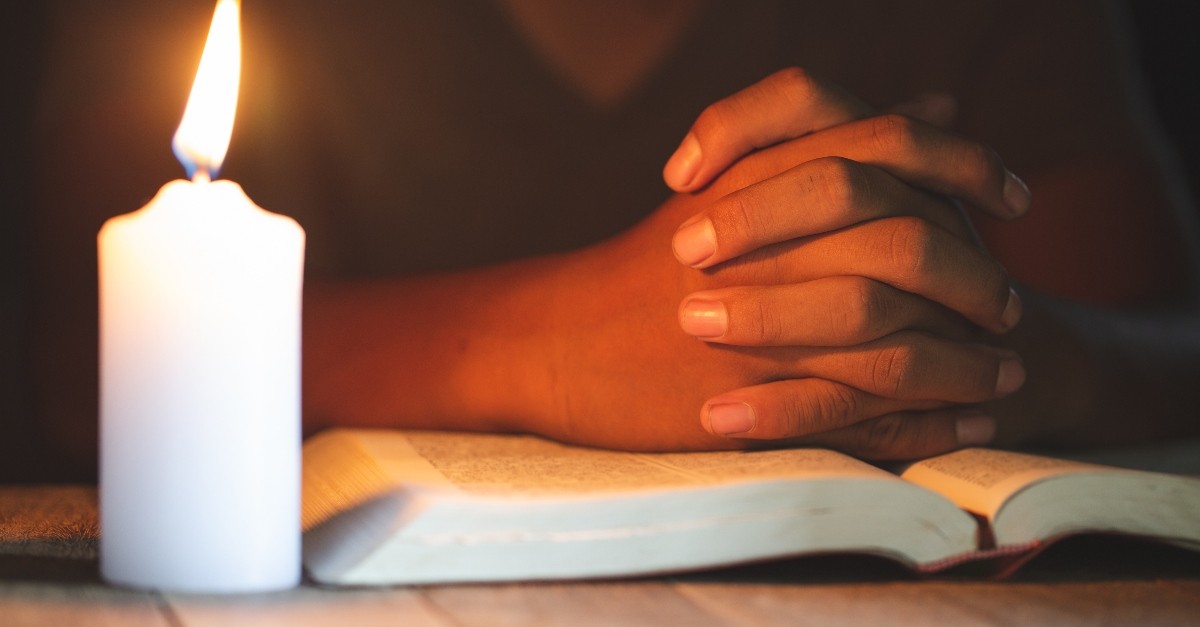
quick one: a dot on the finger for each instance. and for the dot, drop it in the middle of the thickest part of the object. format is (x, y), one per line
(787, 104)
(910, 435)
(911, 365)
(795, 407)
(834, 311)
(814, 197)
(907, 253)
(914, 152)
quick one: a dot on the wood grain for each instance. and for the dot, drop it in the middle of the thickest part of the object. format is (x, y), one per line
(583, 604)
(951, 603)
(310, 606)
(46, 604)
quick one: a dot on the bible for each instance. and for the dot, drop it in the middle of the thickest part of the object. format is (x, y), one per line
(385, 507)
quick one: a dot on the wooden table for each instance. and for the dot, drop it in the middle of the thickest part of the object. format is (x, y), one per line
(49, 576)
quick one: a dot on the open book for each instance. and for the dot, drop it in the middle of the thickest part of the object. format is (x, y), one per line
(393, 507)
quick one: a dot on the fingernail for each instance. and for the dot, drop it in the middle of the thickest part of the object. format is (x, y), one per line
(682, 167)
(974, 428)
(704, 318)
(695, 242)
(1011, 376)
(730, 418)
(1012, 310)
(1016, 195)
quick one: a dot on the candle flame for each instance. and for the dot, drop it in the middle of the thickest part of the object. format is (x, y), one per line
(203, 135)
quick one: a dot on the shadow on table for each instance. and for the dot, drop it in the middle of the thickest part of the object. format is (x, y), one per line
(58, 570)
(1077, 559)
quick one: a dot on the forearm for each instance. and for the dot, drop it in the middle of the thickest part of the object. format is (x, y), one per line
(462, 350)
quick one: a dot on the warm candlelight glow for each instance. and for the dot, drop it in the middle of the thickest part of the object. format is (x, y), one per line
(200, 368)
(203, 136)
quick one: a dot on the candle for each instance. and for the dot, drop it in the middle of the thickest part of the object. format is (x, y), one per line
(200, 368)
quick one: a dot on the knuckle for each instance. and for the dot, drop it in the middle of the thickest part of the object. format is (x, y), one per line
(866, 308)
(911, 247)
(720, 121)
(893, 134)
(832, 183)
(716, 122)
(884, 436)
(737, 219)
(893, 368)
(829, 407)
(769, 325)
(795, 84)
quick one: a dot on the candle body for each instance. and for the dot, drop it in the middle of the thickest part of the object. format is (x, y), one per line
(200, 297)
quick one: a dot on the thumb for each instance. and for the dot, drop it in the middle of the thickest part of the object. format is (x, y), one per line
(788, 104)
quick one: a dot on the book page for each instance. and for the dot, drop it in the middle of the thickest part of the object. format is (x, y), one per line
(341, 472)
(481, 507)
(737, 465)
(981, 480)
(345, 468)
(527, 464)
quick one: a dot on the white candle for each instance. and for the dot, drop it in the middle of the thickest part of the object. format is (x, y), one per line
(200, 372)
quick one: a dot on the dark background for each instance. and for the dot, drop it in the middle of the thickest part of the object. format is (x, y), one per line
(21, 56)
(1164, 35)
(1167, 39)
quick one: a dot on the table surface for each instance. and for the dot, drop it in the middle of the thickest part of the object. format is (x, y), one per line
(49, 576)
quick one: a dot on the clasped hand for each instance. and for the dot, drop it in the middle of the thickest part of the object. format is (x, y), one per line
(868, 256)
(837, 291)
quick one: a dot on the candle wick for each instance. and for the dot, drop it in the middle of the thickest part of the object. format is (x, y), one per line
(201, 176)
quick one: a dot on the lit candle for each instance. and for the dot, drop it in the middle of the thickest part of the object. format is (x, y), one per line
(200, 368)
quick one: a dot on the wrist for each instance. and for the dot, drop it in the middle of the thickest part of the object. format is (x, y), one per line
(503, 367)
